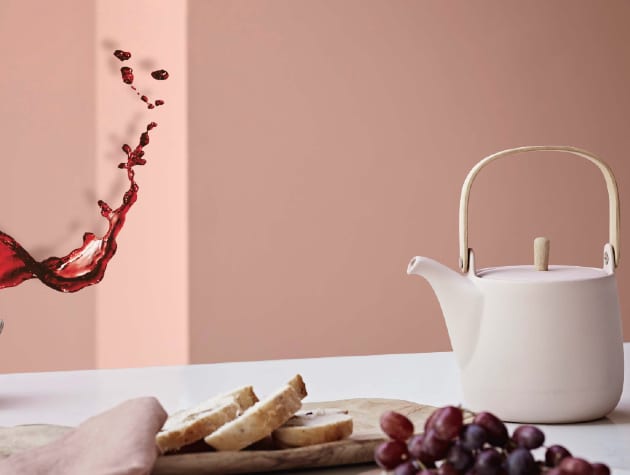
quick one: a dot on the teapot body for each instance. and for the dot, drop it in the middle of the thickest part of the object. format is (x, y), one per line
(535, 344)
(546, 351)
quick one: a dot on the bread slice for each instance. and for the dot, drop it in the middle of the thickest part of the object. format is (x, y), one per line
(190, 425)
(260, 420)
(315, 426)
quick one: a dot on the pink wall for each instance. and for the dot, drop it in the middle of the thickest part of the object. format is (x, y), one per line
(329, 141)
(308, 150)
(65, 115)
(142, 305)
(47, 104)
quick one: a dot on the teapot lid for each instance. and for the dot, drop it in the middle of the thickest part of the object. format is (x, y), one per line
(529, 273)
(541, 271)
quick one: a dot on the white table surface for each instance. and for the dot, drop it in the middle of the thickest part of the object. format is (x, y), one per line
(67, 398)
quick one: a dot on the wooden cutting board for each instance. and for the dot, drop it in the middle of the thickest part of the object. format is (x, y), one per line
(358, 448)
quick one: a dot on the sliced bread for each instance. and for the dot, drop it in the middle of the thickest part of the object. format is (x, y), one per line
(191, 425)
(315, 426)
(261, 419)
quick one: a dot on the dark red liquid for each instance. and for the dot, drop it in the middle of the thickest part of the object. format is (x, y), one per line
(122, 55)
(127, 74)
(160, 74)
(127, 77)
(85, 265)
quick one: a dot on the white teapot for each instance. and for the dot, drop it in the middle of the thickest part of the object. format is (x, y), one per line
(534, 343)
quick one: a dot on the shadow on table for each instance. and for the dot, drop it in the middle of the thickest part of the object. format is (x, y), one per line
(618, 416)
(347, 470)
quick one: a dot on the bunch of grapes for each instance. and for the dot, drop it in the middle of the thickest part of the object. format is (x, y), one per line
(448, 446)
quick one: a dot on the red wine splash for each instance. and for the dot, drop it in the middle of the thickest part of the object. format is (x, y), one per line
(85, 265)
(160, 74)
(127, 74)
(127, 77)
(122, 55)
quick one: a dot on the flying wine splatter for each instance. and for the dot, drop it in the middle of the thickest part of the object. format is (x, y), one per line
(160, 74)
(122, 55)
(127, 76)
(85, 265)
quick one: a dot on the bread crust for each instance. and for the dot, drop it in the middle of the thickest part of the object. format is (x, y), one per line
(261, 419)
(297, 383)
(191, 425)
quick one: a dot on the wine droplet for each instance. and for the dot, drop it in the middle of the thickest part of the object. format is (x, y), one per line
(122, 55)
(127, 74)
(144, 138)
(160, 74)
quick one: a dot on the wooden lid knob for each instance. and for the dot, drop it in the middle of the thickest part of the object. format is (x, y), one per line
(541, 253)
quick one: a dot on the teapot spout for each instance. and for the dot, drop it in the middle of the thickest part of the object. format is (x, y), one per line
(460, 300)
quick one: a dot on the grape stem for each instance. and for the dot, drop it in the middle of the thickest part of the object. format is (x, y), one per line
(467, 413)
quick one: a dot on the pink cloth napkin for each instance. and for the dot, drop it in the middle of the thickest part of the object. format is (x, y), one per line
(120, 441)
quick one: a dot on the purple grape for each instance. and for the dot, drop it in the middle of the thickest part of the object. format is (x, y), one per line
(600, 469)
(576, 466)
(555, 471)
(528, 437)
(555, 454)
(390, 454)
(428, 424)
(447, 468)
(494, 427)
(460, 458)
(414, 446)
(407, 468)
(416, 450)
(488, 462)
(434, 446)
(521, 462)
(473, 436)
(447, 422)
(396, 425)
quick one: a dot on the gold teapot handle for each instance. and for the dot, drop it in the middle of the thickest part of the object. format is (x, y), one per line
(611, 185)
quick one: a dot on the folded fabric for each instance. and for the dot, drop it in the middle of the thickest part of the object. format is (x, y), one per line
(120, 441)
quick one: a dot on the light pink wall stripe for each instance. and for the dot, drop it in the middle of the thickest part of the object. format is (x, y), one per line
(142, 305)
